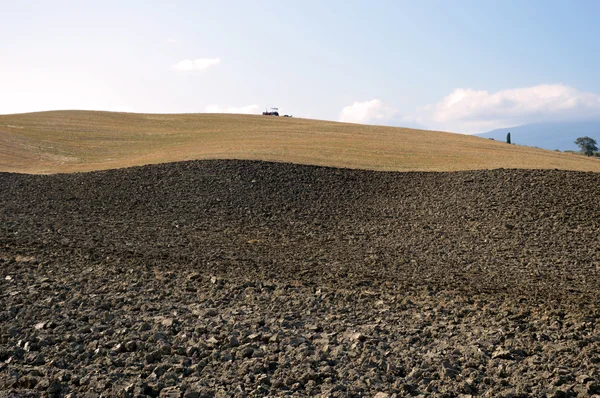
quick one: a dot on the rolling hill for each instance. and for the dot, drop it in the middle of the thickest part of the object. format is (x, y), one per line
(75, 141)
(275, 279)
(551, 135)
(257, 278)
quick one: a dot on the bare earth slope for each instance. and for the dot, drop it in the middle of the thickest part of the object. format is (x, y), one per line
(67, 141)
(240, 278)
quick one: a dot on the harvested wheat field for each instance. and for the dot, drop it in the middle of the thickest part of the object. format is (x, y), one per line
(249, 278)
(70, 141)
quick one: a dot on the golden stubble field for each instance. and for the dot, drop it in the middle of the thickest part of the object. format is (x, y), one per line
(75, 141)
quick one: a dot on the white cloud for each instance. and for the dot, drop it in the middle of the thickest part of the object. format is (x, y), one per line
(368, 112)
(196, 64)
(376, 112)
(474, 111)
(247, 109)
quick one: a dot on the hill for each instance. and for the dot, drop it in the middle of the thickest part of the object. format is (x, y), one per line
(71, 141)
(273, 279)
(552, 135)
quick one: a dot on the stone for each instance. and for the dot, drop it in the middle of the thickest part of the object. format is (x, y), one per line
(130, 346)
(55, 387)
(211, 312)
(592, 388)
(381, 395)
(247, 352)
(583, 379)
(212, 341)
(171, 392)
(502, 353)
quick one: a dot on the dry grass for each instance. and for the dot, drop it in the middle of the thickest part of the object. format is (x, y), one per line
(71, 141)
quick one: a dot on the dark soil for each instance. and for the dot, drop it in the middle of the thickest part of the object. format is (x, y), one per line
(239, 278)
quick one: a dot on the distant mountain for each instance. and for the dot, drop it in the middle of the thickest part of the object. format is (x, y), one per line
(551, 135)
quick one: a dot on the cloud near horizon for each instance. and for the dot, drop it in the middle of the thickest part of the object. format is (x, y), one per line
(196, 64)
(367, 112)
(475, 111)
(247, 109)
(376, 112)
(470, 111)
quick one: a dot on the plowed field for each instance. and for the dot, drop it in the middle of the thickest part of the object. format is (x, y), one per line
(245, 278)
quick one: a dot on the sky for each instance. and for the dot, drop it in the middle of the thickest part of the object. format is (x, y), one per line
(465, 66)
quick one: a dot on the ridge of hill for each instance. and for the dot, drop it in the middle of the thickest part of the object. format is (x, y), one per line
(77, 141)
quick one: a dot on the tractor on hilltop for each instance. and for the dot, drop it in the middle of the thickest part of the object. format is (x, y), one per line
(272, 112)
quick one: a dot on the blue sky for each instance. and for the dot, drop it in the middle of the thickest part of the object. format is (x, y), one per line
(462, 66)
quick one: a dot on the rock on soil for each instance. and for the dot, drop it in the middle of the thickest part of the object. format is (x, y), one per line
(240, 278)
